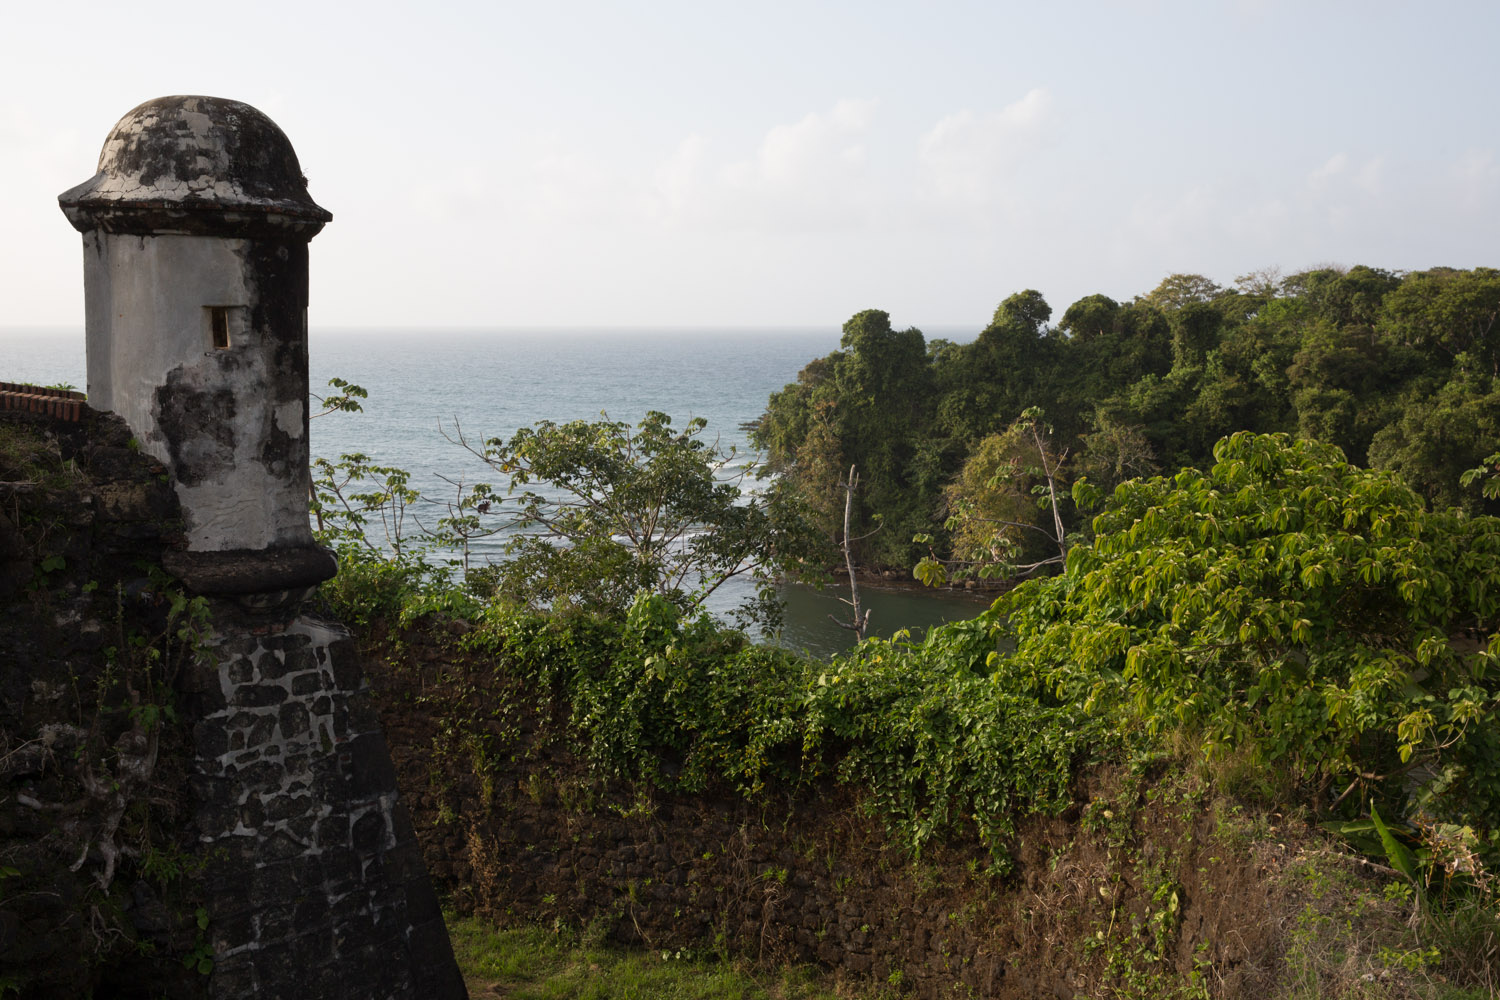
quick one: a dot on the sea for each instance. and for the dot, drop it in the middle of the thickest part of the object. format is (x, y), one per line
(428, 388)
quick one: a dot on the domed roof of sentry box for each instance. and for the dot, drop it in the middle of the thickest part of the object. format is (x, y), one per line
(202, 165)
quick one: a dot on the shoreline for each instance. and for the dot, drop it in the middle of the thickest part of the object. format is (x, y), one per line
(893, 581)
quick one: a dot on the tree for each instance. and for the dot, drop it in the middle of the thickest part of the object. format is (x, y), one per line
(1263, 283)
(1013, 364)
(1397, 370)
(1448, 312)
(859, 620)
(1114, 453)
(1090, 317)
(1178, 290)
(1339, 378)
(1024, 310)
(1486, 475)
(1288, 604)
(604, 511)
(867, 404)
(994, 504)
(1440, 435)
(1195, 332)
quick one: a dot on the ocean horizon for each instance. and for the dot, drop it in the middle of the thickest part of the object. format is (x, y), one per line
(426, 386)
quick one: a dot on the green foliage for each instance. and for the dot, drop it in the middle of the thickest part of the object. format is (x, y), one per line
(201, 958)
(595, 513)
(1285, 605)
(1486, 474)
(1005, 507)
(865, 405)
(606, 511)
(1026, 311)
(1178, 291)
(374, 586)
(934, 735)
(344, 399)
(1399, 371)
(679, 701)
(944, 737)
(1448, 311)
(557, 963)
(1396, 852)
(1090, 317)
(1441, 433)
(1285, 602)
(393, 563)
(389, 564)
(1285, 609)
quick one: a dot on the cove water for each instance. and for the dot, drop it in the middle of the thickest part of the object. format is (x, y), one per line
(427, 387)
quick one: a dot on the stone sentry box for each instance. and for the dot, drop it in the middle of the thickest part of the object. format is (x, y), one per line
(195, 236)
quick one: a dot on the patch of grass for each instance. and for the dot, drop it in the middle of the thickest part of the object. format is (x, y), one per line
(535, 963)
(30, 456)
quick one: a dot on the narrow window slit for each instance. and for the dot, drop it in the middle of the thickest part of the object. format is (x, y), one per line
(219, 321)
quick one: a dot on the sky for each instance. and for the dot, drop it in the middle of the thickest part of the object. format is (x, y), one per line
(696, 163)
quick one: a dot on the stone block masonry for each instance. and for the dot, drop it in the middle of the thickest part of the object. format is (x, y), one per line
(266, 798)
(315, 880)
(520, 826)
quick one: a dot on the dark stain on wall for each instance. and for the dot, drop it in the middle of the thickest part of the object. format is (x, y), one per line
(199, 428)
(278, 272)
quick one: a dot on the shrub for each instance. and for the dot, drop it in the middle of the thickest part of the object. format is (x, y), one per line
(1288, 603)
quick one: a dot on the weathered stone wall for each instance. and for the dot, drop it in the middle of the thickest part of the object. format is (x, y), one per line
(315, 877)
(158, 759)
(514, 827)
(82, 517)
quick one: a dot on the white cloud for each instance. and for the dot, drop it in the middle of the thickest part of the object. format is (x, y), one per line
(569, 186)
(968, 158)
(1476, 166)
(1256, 11)
(1368, 177)
(1182, 220)
(1335, 165)
(1261, 222)
(677, 179)
(1475, 178)
(1341, 192)
(45, 154)
(808, 174)
(544, 181)
(1339, 171)
(817, 149)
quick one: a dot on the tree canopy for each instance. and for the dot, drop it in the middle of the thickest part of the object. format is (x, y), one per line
(1283, 601)
(1399, 371)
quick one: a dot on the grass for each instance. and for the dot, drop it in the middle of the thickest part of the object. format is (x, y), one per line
(535, 963)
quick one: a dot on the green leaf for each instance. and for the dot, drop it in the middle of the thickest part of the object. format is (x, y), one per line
(1396, 852)
(931, 572)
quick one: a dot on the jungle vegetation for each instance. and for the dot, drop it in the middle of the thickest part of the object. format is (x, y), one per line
(1399, 371)
(1260, 526)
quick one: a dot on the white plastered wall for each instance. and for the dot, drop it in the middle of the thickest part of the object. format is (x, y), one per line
(146, 305)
